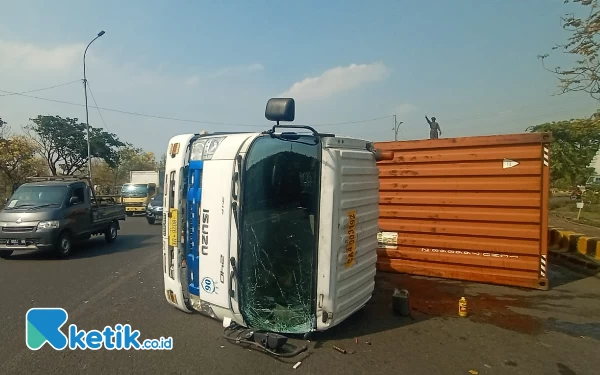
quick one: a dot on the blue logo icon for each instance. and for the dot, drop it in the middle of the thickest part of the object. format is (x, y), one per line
(208, 285)
(43, 326)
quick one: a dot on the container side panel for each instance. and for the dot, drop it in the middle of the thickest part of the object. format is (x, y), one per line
(471, 208)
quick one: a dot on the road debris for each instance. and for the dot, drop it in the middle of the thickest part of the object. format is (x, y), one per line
(356, 340)
(462, 307)
(297, 365)
(400, 302)
(343, 351)
(473, 372)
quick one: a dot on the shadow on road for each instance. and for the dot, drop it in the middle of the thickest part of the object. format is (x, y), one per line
(561, 273)
(97, 246)
(378, 315)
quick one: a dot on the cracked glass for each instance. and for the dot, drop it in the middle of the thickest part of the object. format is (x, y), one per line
(279, 236)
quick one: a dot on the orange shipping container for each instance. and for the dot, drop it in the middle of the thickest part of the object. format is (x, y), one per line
(473, 208)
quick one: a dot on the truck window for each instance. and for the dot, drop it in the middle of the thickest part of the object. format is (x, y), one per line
(79, 192)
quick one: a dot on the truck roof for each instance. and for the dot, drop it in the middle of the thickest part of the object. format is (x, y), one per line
(53, 183)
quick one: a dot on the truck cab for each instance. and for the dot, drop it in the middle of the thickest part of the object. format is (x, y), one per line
(593, 182)
(276, 230)
(141, 189)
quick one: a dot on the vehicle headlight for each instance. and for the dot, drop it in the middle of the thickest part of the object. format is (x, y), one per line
(149, 206)
(198, 149)
(48, 224)
(204, 148)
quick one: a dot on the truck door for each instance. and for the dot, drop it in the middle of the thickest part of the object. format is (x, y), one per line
(193, 223)
(80, 212)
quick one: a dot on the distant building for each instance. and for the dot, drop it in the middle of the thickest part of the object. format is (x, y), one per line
(596, 163)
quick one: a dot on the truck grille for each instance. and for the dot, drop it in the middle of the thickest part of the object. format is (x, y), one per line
(17, 229)
(135, 204)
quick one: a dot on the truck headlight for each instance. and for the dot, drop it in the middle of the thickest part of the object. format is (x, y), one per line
(51, 224)
(198, 149)
(149, 206)
(204, 148)
(211, 147)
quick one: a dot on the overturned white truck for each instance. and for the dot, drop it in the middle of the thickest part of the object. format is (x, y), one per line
(274, 231)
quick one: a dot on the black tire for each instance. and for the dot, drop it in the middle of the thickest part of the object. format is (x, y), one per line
(64, 245)
(111, 232)
(151, 220)
(5, 254)
(129, 213)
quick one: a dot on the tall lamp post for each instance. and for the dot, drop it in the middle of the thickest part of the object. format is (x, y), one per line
(396, 127)
(87, 116)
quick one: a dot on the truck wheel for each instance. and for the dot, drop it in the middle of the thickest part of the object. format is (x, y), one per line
(151, 220)
(64, 247)
(111, 233)
(129, 213)
(5, 254)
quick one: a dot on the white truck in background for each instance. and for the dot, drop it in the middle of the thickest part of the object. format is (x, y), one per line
(139, 191)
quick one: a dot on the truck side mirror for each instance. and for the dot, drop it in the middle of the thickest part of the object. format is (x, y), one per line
(74, 200)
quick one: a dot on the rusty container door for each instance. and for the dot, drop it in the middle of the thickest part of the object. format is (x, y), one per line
(473, 208)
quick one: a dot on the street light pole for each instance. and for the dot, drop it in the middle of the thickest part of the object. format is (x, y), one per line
(396, 128)
(87, 116)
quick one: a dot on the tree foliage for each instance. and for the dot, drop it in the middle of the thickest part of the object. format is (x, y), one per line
(574, 145)
(3, 128)
(584, 44)
(129, 159)
(163, 162)
(18, 159)
(63, 143)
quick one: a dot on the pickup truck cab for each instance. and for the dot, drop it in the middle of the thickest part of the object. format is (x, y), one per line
(52, 214)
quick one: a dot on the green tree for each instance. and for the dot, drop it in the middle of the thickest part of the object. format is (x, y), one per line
(18, 159)
(584, 45)
(3, 128)
(132, 159)
(63, 143)
(574, 145)
(163, 162)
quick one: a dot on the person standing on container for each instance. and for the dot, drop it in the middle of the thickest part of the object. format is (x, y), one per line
(434, 128)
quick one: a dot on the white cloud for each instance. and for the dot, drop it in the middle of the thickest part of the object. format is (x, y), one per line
(336, 80)
(236, 70)
(31, 57)
(230, 71)
(405, 108)
(192, 81)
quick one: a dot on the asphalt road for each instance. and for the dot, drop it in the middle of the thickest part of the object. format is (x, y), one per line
(508, 331)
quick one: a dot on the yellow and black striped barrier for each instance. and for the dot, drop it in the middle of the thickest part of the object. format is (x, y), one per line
(569, 241)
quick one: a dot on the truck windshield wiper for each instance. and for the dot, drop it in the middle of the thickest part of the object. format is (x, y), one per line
(294, 138)
(26, 205)
(32, 207)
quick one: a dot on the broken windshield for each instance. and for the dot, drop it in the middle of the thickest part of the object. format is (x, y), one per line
(280, 202)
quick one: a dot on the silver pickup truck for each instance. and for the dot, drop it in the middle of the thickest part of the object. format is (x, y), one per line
(52, 213)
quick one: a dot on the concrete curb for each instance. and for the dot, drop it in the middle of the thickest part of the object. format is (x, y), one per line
(567, 245)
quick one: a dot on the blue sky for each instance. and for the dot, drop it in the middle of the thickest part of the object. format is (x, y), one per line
(472, 64)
